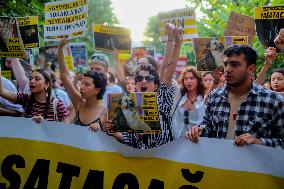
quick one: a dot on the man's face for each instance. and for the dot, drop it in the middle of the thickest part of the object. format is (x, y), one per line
(236, 70)
(98, 67)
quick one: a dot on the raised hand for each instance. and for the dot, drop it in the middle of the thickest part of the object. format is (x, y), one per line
(279, 40)
(270, 55)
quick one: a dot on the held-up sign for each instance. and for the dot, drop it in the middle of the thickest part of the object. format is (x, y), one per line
(185, 18)
(65, 18)
(108, 38)
(240, 25)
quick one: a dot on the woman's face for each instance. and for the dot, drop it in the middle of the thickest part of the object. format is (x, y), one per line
(277, 82)
(190, 81)
(130, 85)
(145, 82)
(208, 80)
(88, 88)
(37, 83)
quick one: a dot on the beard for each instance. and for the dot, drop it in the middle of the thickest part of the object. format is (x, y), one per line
(241, 80)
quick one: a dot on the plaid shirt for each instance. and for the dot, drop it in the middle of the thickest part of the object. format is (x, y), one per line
(261, 115)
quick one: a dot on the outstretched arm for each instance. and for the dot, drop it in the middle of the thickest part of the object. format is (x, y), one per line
(6, 93)
(64, 76)
(169, 68)
(19, 73)
(270, 55)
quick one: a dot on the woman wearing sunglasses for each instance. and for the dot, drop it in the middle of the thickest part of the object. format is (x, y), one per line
(190, 108)
(90, 111)
(147, 79)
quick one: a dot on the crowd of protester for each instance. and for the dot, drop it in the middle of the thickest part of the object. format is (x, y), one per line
(228, 103)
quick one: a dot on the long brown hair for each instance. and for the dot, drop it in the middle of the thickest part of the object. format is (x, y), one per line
(200, 86)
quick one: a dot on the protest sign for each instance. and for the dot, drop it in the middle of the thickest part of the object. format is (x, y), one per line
(6, 70)
(109, 38)
(11, 44)
(208, 53)
(137, 113)
(48, 58)
(185, 18)
(29, 31)
(78, 51)
(57, 155)
(240, 25)
(139, 52)
(268, 22)
(65, 18)
(229, 41)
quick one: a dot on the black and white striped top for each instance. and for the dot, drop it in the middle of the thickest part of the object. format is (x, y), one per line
(146, 141)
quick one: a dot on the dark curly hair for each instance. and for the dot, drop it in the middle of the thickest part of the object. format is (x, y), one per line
(99, 80)
(250, 53)
(152, 71)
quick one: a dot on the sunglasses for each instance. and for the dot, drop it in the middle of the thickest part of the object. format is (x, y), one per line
(148, 78)
(100, 59)
(186, 121)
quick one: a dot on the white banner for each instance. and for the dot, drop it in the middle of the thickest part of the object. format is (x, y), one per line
(57, 155)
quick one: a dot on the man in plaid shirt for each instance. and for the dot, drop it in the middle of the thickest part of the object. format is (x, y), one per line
(242, 110)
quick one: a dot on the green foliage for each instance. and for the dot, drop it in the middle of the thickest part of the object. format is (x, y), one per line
(152, 34)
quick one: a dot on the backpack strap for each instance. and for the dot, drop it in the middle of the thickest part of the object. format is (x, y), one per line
(54, 103)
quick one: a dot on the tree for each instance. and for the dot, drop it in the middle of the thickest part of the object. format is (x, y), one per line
(152, 34)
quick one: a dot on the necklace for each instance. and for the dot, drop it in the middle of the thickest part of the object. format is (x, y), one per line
(192, 101)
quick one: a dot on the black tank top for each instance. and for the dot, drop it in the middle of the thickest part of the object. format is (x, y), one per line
(77, 120)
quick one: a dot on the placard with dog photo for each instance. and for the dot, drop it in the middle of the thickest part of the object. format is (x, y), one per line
(208, 53)
(137, 113)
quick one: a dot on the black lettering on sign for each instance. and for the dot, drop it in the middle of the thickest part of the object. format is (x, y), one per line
(68, 171)
(39, 173)
(124, 179)
(9, 174)
(192, 178)
(156, 184)
(94, 180)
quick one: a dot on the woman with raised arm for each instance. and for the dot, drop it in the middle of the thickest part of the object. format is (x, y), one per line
(147, 79)
(39, 104)
(90, 111)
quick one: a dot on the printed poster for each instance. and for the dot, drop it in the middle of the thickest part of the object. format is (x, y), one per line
(78, 51)
(136, 113)
(65, 18)
(139, 52)
(208, 53)
(48, 58)
(185, 18)
(240, 25)
(28, 27)
(108, 38)
(268, 22)
(229, 41)
(11, 44)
